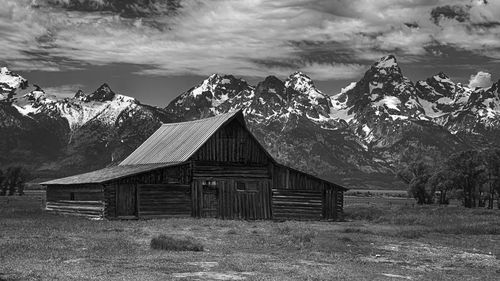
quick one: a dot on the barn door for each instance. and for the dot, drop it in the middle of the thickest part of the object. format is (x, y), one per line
(252, 200)
(126, 204)
(210, 199)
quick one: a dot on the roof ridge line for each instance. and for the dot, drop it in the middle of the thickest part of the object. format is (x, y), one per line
(204, 119)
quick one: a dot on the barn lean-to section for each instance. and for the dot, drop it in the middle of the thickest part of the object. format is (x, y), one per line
(211, 167)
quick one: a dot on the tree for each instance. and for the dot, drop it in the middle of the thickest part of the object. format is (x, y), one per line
(491, 157)
(3, 186)
(443, 182)
(467, 171)
(15, 179)
(416, 174)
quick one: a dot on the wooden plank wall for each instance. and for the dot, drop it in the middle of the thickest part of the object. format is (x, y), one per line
(110, 200)
(297, 204)
(286, 178)
(207, 170)
(330, 204)
(170, 175)
(232, 143)
(164, 200)
(82, 200)
(236, 204)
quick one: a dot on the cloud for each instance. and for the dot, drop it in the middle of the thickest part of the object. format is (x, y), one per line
(327, 39)
(63, 91)
(480, 79)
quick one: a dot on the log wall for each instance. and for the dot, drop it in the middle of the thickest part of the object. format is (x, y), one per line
(164, 200)
(292, 187)
(297, 204)
(82, 200)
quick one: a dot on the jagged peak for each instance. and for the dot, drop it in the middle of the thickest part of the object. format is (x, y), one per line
(299, 82)
(79, 93)
(271, 79)
(102, 94)
(104, 88)
(442, 78)
(388, 61)
(11, 81)
(37, 95)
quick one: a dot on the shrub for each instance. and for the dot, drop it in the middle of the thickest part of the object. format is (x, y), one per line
(169, 243)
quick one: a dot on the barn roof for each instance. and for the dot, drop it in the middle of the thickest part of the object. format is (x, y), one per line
(107, 174)
(177, 142)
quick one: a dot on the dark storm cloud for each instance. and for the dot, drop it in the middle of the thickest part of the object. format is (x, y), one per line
(125, 8)
(457, 12)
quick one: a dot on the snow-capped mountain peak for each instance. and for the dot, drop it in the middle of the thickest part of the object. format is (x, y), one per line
(9, 83)
(299, 82)
(102, 94)
(387, 62)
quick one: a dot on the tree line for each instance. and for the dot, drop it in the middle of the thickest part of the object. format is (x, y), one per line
(471, 176)
(13, 180)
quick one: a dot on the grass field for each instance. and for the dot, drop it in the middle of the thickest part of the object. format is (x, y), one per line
(375, 243)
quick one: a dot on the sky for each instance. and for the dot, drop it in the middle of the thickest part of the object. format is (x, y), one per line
(155, 50)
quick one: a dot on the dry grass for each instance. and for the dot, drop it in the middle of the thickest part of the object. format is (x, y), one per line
(420, 243)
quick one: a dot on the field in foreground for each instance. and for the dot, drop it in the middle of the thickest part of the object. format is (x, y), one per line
(376, 243)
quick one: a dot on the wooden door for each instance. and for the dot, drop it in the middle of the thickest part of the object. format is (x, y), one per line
(126, 200)
(252, 200)
(210, 200)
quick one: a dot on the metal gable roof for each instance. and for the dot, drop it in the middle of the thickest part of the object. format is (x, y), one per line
(177, 142)
(107, 174)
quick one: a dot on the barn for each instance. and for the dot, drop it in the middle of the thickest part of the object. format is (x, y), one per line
(211, 167)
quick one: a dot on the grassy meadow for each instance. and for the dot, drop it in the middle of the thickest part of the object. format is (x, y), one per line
(374, 243)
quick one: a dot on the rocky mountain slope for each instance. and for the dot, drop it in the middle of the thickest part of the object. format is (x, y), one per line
(64, 136)
(358, 137)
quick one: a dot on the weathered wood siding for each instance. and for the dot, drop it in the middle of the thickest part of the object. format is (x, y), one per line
(232, 143)
(297, 195)
(287, 178)
(164, 200)
(177, 175)
(92, 209)
(232, 202)
(206, 170)
(82, 200)
(297, 204)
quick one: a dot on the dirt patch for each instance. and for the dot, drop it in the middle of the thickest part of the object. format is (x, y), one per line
(205, 265)
(397, 276)
(425, 257)
(210, 275)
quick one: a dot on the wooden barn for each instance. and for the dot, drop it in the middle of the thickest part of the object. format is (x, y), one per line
(212, 167)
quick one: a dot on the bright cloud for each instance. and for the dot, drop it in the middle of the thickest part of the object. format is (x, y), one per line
(326, 39)
(480, 79)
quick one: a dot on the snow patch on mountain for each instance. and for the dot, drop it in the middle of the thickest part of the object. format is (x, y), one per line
(390, 102)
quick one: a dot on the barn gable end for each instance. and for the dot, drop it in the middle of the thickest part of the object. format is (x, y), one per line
(232, 143)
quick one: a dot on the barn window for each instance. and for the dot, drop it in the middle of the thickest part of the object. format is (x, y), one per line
(209, 183)
(210, 187)
(247, 186)
(240, 186)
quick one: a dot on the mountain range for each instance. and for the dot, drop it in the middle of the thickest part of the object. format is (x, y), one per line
(359, 137)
